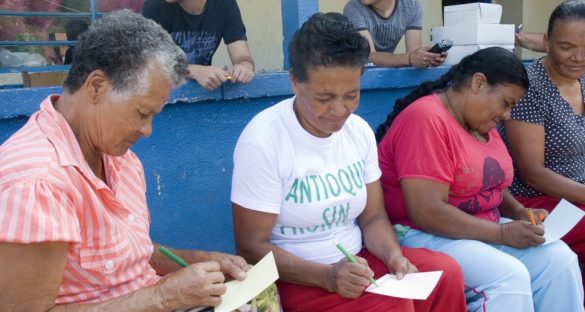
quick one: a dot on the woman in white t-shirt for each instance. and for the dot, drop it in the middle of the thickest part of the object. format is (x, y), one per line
(306, 175)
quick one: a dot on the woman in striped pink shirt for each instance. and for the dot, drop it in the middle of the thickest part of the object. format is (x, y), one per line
(73, 216)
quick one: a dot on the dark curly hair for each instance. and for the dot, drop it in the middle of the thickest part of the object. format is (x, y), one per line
(124, 44)
(326, 39)
(499, 66)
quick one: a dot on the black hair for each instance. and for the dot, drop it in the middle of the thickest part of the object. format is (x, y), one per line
(326, 39)
(75, 27)
(123, 45)
(568, 11)
(499, 66)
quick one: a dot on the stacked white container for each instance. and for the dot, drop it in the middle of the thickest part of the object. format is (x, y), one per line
(472, 27)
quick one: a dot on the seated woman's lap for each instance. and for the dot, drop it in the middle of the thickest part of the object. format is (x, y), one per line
(447, 295)
(296, 297)
(472, 256)
(302, 298)
(509, 277)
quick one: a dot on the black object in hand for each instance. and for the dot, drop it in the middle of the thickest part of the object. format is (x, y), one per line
(442, 46)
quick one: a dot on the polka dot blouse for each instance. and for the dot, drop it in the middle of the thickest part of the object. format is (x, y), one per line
(564, 147)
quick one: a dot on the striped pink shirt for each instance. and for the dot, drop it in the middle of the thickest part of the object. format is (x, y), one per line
(49, 193)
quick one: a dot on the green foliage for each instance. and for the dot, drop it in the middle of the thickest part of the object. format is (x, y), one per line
(267, 300)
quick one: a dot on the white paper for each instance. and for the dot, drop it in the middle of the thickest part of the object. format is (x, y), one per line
(411, 286)
(561, 220)
(238, 293)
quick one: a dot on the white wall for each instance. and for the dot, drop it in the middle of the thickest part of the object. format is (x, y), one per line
(264, 29)
(264, 25)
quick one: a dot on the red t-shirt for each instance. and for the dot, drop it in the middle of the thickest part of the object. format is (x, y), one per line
(426, 142)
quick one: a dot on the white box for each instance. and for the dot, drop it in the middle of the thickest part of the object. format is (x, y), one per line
(475, 34)
(456, 53)
(472, 13)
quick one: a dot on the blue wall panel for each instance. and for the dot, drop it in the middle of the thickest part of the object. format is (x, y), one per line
(188, 158)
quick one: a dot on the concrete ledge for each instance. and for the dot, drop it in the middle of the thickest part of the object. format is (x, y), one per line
(25, 101)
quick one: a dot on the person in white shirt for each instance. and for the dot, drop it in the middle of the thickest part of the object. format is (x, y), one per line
(306, 175)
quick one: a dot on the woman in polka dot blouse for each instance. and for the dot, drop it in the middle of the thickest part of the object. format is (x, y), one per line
(546, 135)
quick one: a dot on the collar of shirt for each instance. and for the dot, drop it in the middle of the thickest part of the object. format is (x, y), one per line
(58, 131)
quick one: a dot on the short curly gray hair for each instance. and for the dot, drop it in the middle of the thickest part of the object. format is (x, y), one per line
(124, 45)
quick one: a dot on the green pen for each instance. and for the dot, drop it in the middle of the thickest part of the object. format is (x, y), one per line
(352, 259)
(172, 256)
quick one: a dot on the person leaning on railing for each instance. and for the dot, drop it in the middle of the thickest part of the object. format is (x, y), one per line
(198, 26)
(383, 23)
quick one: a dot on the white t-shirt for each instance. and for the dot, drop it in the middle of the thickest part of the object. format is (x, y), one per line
(317, 186)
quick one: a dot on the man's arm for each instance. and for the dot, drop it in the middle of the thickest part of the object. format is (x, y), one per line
(384, 58)
(531, 40)
(415, 55)
(420, 56)
(209, 77)
(243, 64)
(412, 39)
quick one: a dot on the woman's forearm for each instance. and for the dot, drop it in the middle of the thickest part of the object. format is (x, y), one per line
(553, 184)
(510, 207)
(380, 239)
(163, 265)
(449, 221)
(291, 268)
(143, 300)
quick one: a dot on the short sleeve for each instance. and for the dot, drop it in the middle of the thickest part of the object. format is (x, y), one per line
(422, 148)
(354, 12)
(531, 108)
(256, 183)
(415, 16)
(34, 211)
(372, 168)
(156, 11)
(234, 26)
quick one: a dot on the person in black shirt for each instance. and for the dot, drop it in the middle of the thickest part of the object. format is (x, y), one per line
(73, 29)
(198, 26)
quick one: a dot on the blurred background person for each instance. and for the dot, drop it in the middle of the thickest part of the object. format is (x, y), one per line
(73, 29)
(383, 23)
(198, 26)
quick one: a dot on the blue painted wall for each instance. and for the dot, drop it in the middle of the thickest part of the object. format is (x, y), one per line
(294, 14)
(188, 159)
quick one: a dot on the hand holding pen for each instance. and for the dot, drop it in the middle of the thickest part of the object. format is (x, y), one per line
(536, 216)
(522, 234)
(197, 285)
(350, 276)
